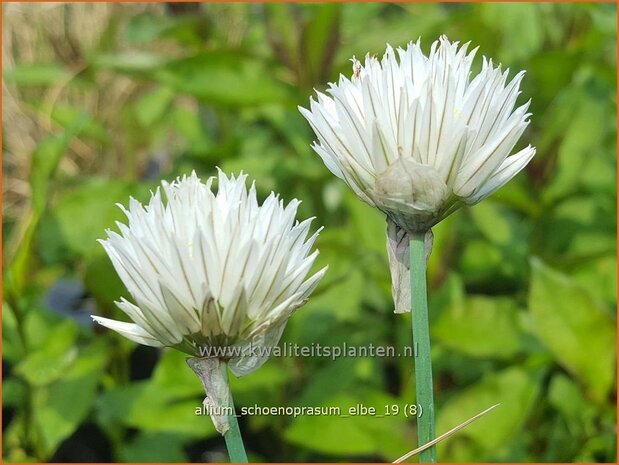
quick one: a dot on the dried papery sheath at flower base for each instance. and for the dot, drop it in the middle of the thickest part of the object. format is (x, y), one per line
(417, 137)
(212, 270)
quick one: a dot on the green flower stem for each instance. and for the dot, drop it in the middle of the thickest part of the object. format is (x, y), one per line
(421, 344)
(234, 441)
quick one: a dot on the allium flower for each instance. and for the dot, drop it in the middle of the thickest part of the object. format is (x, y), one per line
(211, 270)
(416, 137)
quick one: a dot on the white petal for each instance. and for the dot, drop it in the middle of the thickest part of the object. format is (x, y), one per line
(129, 330)
(510, 167)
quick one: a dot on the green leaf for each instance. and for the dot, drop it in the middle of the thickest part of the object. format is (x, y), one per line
(174, 376)
(138, 63)
(188, 29)
(368, 225)
(514, 388)
(154, 407)
(505, 230)
(574, 327)
(481, 262)
(14, 393)
(282, 28)
(63, 236)
(599, 277)
(146, 26)
(68, 116)
(264, 384)
(152, 413)
(101, 279)
(565, 396)
(481, 326)
(36, 74)
(189, 125)
(581, 143)
(342, 299)
(45, 160)
(12, 347)
(153, 106)
(320, 40)
(337, 436)
(356, 434)
(52, 358)
(223, 77)
(154, 447)
(64, 404)
(114, 405)
(515, 20)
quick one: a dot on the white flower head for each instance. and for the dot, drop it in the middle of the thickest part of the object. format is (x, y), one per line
(211, 269)
(416, 137)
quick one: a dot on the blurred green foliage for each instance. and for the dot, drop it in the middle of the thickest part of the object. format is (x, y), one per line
(523, 286)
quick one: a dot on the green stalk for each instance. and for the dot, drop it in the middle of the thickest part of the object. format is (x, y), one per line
(421, 344)
(234, 441)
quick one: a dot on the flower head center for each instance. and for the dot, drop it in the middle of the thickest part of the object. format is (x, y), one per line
(418, 185)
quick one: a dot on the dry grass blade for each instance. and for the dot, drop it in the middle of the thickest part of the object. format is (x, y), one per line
(444, 436)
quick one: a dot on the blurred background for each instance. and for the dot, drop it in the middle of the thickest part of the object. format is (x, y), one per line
(101, 101)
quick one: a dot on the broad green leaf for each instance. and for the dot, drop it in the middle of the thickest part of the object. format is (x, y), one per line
(173, 375)
(574, 327)
(599, 277)
(352, 431)
(291, 125)
(223, 77)
(505, 230)
(581, 226)
(153, 408)
(566, 396)
(515, 19)
(369, 227)
(154, 447)
(96, 200)
(64, 404)
(153, 413)
(481, 262)
(14, 393)
(337, 376)
(342, 299)
(265, 384)
(514, 388)
(189, 124)
(12, 437)
(480, 326)
(580, 143)
(114, 406)
(336, 436)
(153, 106)
(101, 280)
(52, 358)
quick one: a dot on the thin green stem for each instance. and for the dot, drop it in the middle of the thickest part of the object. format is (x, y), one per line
(421, 344)
(234, 441)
